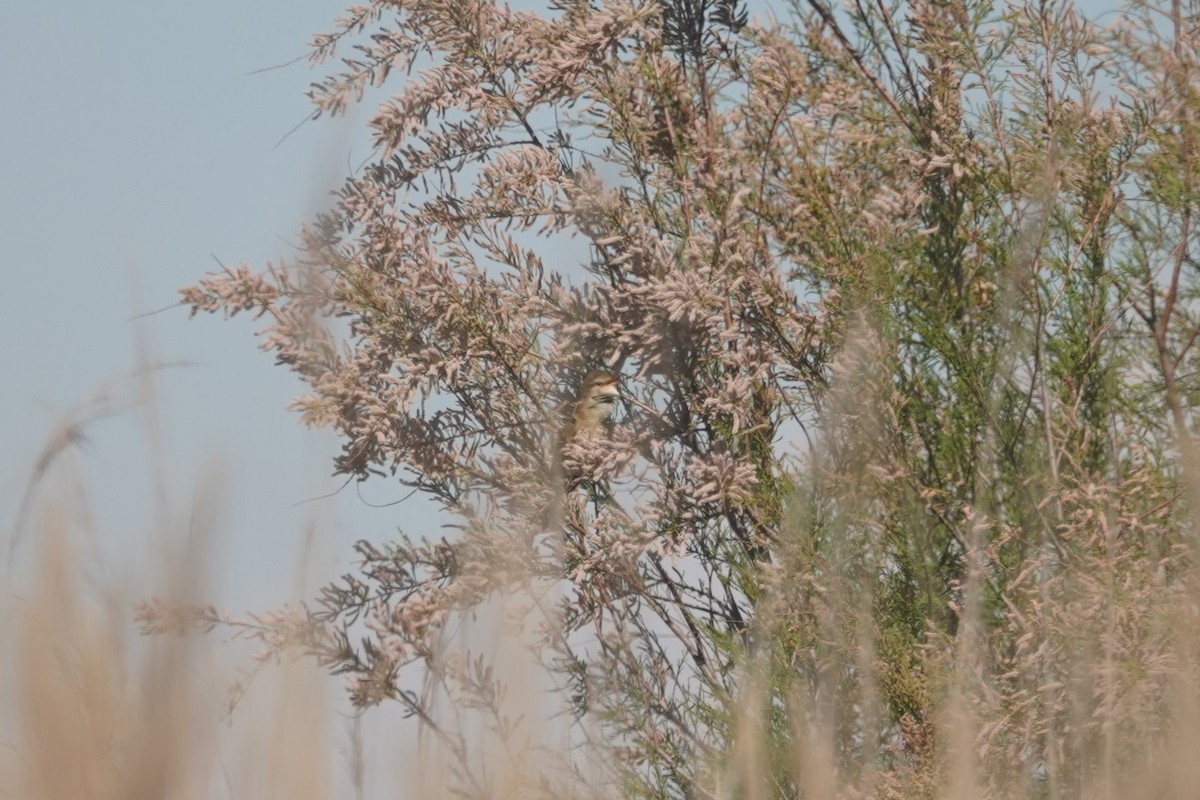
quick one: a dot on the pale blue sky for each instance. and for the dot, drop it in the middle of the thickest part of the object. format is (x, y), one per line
(137, 142)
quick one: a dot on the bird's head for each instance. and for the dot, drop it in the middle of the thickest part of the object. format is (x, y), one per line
(599, 391)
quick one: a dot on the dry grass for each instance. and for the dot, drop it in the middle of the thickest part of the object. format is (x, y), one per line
(91, 710)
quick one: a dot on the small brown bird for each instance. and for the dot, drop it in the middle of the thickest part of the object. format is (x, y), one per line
(595, 404)
(592, 409)
(590, 412)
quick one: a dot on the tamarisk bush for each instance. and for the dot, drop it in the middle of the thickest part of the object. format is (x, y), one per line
(903, 298)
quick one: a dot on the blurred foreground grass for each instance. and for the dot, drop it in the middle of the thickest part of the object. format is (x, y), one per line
(90, 709)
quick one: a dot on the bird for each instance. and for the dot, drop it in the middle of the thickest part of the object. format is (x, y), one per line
(594, 405)
(587, 413)
(591, 410)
